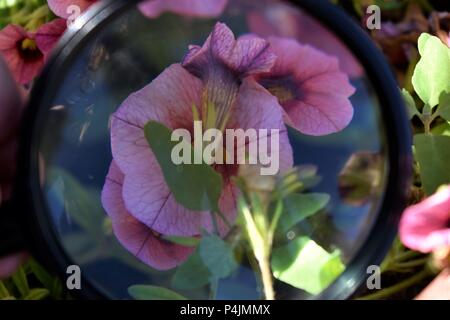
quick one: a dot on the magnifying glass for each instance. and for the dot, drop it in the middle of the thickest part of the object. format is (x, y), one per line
(116, 178)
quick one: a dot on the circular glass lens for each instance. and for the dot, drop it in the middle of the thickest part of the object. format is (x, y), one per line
(234, 150)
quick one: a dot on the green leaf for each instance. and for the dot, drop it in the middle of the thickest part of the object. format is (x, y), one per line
(195, 186)
(143, 292)
(444, 106)
(19, 279)
(183, 241)
(37, 294)
(81, 204)
(52, 283)
(305, 265)
(42, 275)
(192, 274)
(410, 104)
(433, 154)
(432, 74)
(298, 207)
(4, 293)
(217, 256)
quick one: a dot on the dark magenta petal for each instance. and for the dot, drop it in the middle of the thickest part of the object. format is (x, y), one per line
(425, 226)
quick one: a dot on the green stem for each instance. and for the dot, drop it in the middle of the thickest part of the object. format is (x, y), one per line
(214, 286)
(394, 261)
(411, 264)
(275, 220)
(384, 293)
(406, 255)
(266, 275)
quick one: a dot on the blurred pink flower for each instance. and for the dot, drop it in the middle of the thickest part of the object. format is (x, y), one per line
(62, 8)
(25, 52)
(309, 85)
(425, 227)
(191, 8)
(283, 20)
(136, 196)
(9, 264)
(150, 8)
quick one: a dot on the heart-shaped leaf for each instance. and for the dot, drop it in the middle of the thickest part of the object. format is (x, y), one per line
(302, 263)
(195, 186)
(217, 256)
(432, 74)
(298, 207)
(192, 274)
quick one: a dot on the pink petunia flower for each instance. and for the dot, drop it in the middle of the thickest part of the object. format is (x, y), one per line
(25, 52)
(425, 227)
(310, 86)
(150, 8)
(282, 20)
(62, 8)
(136, 196)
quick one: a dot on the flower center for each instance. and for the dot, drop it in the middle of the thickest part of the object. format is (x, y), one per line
(282, 87)
(220, 93)
(28, 50)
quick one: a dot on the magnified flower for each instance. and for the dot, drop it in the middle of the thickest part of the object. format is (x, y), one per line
(169, 99)
(425, 227)
(310, 86)
(191, 8)
(25, 52)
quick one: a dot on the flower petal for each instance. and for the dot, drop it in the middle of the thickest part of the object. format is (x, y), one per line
(168, 100)
(62, 7)
(314, 92)
(136, 237)
(49, 34)
(425, 226)
(9, 264)
(283, 20)
(24, 70)
(245, 56)
(257, 109)
(190, 8)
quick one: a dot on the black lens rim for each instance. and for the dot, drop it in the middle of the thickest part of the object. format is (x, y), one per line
(41, 236)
